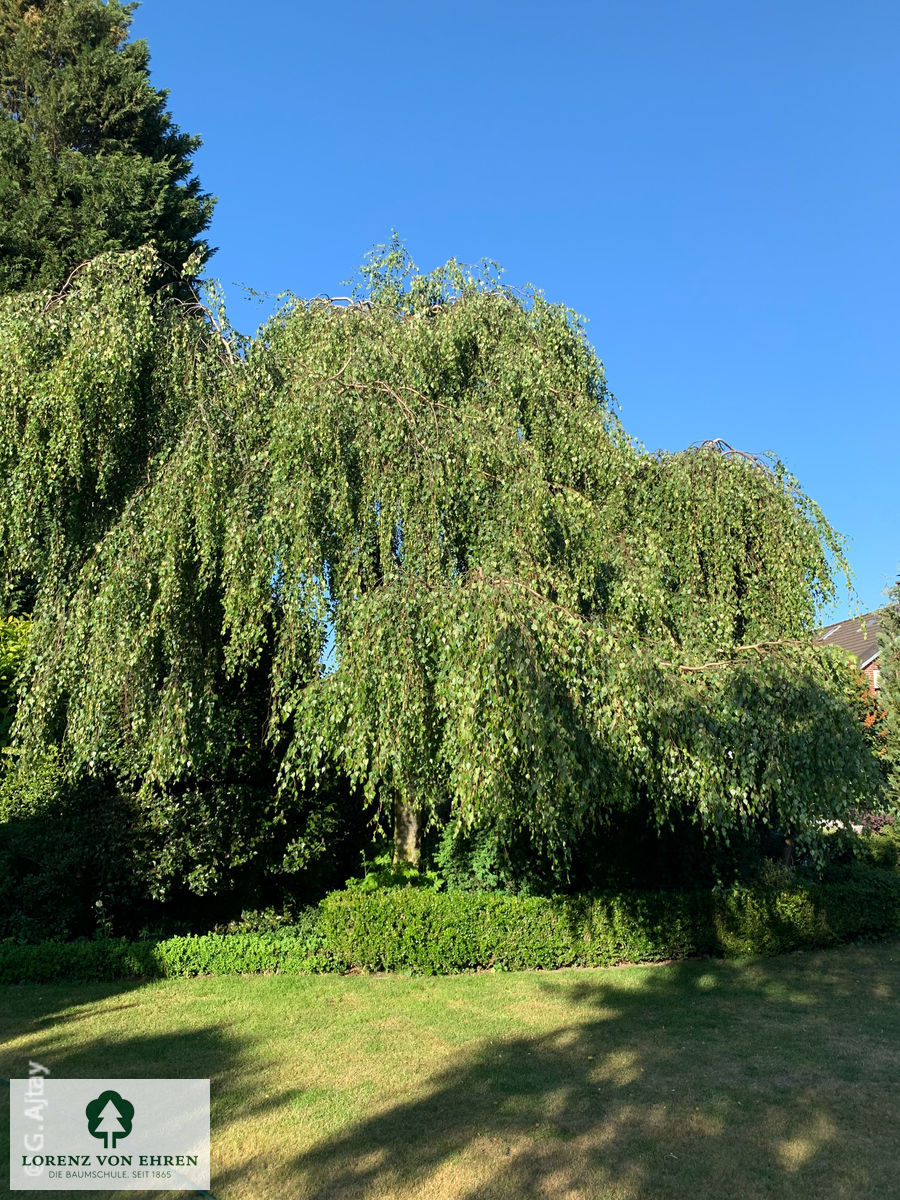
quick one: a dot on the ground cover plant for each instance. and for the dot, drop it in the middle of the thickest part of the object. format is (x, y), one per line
(772, 1078)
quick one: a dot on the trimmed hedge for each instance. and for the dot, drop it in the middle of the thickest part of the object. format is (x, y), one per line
(114, 958)
(435, 933)
(412, 929)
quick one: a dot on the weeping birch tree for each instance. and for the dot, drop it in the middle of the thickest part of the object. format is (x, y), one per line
(404, 538)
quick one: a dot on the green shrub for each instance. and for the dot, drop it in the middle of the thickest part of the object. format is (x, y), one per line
(295, 950)
(69, 854)
(496, 858)
(429, 932)
(380, 871)
(881, 848)
(863, 903)
(81, 858)
(412, 929)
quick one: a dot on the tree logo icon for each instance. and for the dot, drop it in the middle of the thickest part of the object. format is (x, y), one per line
(109, 1116)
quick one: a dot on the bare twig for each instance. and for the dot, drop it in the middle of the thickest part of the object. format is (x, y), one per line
(728, 451)
(57, 296)
(759, 648)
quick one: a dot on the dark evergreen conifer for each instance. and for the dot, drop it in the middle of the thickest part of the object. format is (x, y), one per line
(90, 159)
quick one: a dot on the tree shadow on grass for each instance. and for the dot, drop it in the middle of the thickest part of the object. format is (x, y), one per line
(773, 1079)
(50, 1025)
(708, 1079)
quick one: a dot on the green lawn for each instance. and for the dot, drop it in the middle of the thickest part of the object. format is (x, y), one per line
(776, 1078)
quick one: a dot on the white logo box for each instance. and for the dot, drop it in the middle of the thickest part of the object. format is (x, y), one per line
(145, 1135)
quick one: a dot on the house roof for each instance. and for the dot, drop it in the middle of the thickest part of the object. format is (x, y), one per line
(859, 635)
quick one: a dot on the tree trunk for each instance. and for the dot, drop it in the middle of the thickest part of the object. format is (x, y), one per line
(406, 832)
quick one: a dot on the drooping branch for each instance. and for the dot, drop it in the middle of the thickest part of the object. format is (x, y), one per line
(421, 556)
(759, 648)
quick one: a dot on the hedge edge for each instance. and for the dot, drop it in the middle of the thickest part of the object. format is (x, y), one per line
(440, 933)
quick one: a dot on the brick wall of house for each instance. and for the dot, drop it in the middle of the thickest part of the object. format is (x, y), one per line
(869, 673)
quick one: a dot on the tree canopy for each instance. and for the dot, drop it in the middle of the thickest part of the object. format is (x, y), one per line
(90, 160)
(405, 539)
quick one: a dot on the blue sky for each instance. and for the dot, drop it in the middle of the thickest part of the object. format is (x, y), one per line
(715, 186)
